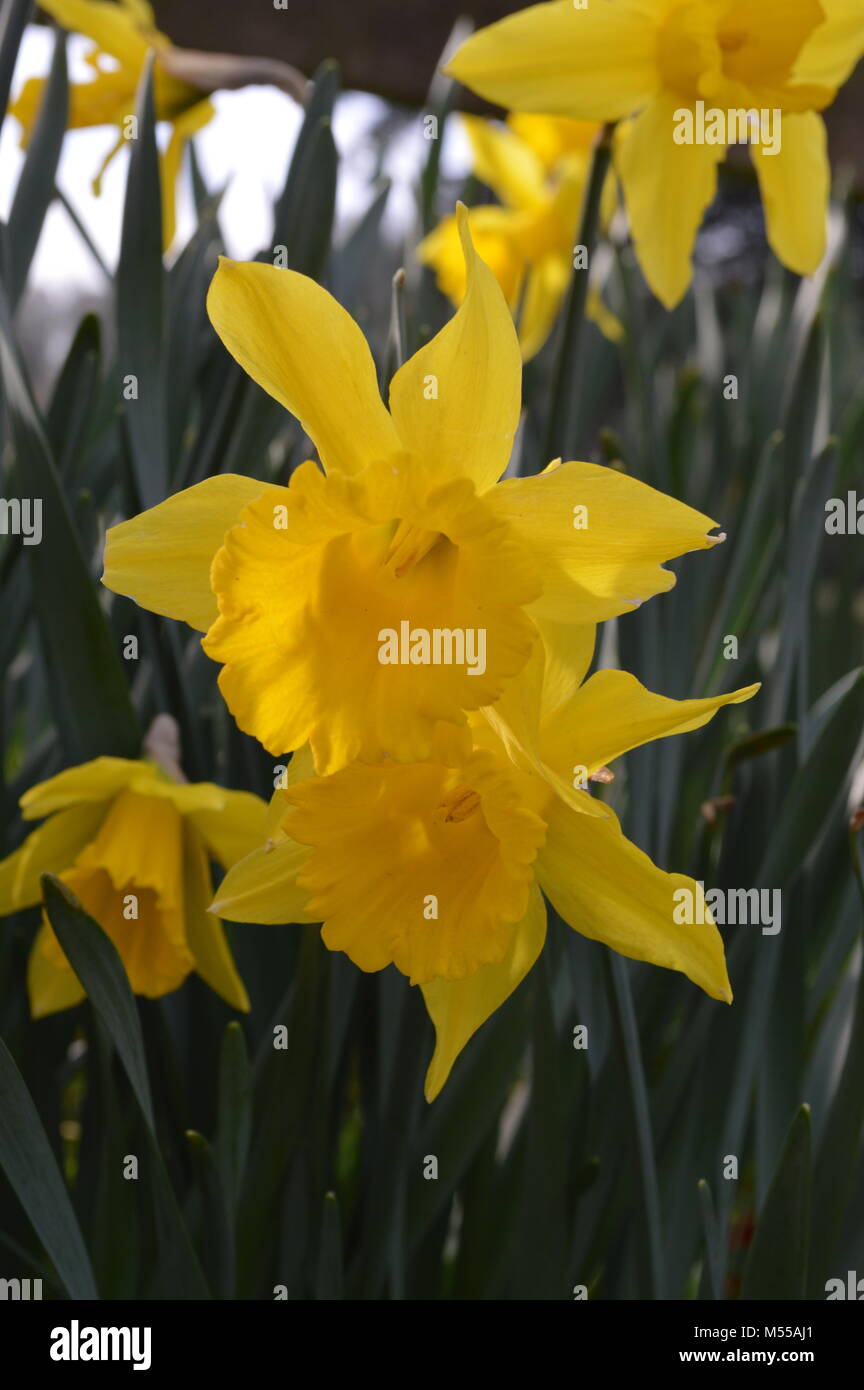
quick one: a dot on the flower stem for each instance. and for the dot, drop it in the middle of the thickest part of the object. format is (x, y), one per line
(621, 1001)
(563, 422)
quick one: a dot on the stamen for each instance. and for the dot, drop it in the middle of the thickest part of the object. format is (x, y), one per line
(458, 805)
(408, 547)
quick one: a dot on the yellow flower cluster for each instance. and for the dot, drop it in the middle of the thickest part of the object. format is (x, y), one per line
(426, 805)
(413, 625)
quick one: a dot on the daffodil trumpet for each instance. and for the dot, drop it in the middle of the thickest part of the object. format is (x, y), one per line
(133, 844)
(652, 66)
(405, 521)
(439, 866)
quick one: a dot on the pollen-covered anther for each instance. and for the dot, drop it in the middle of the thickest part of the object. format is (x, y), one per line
(603, 774)
(458, 805)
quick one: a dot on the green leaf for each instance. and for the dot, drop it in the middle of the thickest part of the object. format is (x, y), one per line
(94, 958)
(74, 395)
(328, 1277)
(217, 1227)
(14, 15)
(29, 1164)
(88, 684)
(140, 305)
(35, 191)
(816, 789)
(777, 1264)
(235, 1111)
(758, 744)
(839, 1153)
(303, 215)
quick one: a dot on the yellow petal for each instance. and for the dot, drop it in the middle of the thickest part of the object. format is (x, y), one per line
(795, 184)
(834, 47)
(493, 232)
(147, 933)
(667, 188)
(204, 932)
(504, 162)
(612, 713)
(595, 63)
(602, 536)
(459, 1007)
(105, 100)
(162, 557)
(47, 850)
(99, 780)
(552, 137)
(116, 29)
(186, 124)
(456, 402)
(544, 290)
(302, 347)
(608, 890)
(516, 720)
(600, 314)
(263, 886)
(52, 984)
(234, 828)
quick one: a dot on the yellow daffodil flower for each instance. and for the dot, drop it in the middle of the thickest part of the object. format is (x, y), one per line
(537, 166)
(686, 71)
(134, 847)
(123, 34)
(294, 586)
(437, 866)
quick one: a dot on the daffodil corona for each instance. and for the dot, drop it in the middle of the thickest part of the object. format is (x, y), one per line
(297, 587)
(767, 68)
(134, 846)
(437, 866)
(537, 166)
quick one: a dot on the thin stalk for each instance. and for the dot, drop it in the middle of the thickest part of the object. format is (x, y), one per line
(621, 1000)
(562, 428)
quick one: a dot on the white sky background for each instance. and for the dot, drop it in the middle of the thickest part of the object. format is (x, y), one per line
(247, 146)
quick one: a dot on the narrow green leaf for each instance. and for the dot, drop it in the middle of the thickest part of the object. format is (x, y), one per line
(303, 215)
(839, 1152)
(29, 1164)
(713, 1253)
(622, 1006)
(140, 306)
(328, 1277)
(235, 1111)
(35, 191)
(91, 699)
(758, 744)
(14, 16)
(93, 956)
(777, 1264)
(74, 394)
(816, 789)
(217, 1227)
